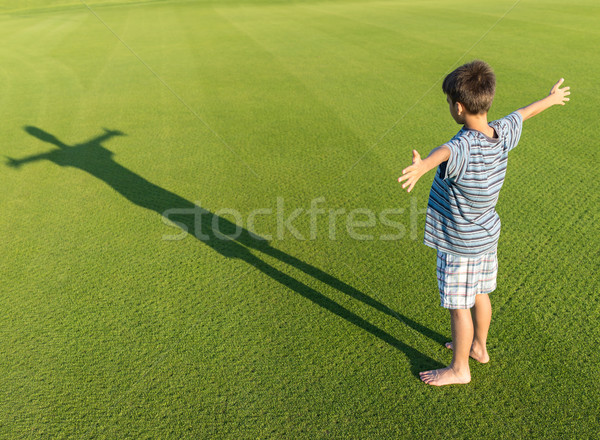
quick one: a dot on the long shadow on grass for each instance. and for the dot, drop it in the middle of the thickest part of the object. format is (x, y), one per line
(96, 160)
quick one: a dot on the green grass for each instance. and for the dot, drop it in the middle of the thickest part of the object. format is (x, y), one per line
(109, 331)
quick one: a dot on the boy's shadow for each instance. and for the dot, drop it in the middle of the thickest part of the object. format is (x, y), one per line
(96, 160)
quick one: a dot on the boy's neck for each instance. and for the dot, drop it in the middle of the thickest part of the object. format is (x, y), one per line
(479, 122)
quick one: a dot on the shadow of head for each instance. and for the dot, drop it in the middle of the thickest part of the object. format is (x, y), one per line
(42, 135)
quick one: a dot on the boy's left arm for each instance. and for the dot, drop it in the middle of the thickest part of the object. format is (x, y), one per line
(420, 166)
(557, 96)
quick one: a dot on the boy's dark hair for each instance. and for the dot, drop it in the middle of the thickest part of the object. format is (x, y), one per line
(473, 85)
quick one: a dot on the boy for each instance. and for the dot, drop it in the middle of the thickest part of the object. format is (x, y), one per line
(461, 222)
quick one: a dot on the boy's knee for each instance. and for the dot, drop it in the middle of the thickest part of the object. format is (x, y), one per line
(460, 313)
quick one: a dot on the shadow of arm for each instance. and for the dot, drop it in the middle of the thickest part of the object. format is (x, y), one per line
(16, 163)
(105, 136)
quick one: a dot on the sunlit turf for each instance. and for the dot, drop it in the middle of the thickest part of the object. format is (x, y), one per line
(113, 114)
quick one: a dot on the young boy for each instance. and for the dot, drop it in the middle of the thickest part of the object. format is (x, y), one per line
(461, 222)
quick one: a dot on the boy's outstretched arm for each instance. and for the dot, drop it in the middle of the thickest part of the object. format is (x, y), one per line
(556, 96)
(420, 166)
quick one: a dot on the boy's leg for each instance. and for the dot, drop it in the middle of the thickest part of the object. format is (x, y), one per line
(462, 337)
(482, 317)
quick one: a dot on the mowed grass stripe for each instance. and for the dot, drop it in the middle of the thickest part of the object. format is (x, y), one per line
(332, 60)
(266, 107)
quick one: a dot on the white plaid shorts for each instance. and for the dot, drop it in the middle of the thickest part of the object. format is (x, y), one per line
(460, 279)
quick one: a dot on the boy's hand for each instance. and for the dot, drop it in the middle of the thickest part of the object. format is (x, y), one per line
(413, 173)
(558, 95)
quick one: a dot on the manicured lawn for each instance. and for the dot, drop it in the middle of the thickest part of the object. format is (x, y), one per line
(113, 114)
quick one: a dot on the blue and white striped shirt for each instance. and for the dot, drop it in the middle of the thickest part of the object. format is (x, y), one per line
(461, 217)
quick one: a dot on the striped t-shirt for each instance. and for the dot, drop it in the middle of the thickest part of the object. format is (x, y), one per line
(461, 217)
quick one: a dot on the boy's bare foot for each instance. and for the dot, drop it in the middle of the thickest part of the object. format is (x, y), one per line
(480, 355)
(444, 376)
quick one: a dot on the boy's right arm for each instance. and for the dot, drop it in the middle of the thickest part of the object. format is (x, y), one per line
(421, 166)
(556, 96)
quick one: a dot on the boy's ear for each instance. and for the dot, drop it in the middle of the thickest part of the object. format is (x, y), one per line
(460, 109)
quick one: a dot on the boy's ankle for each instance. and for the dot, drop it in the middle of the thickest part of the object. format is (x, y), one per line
(478, 345)
(461, 369)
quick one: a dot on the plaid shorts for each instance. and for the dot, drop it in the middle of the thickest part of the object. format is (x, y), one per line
(460, 279)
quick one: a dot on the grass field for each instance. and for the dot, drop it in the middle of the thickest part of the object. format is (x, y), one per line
(113, 114)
